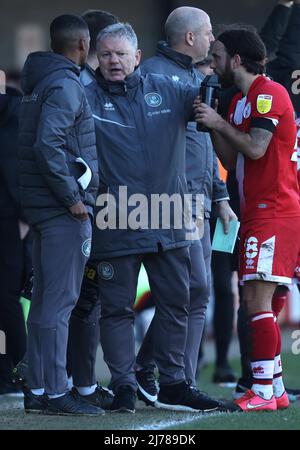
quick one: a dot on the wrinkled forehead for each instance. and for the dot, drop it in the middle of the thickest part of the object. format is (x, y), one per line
(115, 43)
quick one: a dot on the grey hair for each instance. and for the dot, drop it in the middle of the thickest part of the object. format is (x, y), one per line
(119, 29)
(183, 20)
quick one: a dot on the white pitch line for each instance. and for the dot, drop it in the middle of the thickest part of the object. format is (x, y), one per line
(163, 425)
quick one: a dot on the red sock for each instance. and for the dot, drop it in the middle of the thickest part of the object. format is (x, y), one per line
(264, 346)
(278, 303)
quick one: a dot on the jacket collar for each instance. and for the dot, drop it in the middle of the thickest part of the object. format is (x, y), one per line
(182, 60)
(119, 87)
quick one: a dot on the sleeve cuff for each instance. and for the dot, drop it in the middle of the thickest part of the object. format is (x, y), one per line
(219, 200)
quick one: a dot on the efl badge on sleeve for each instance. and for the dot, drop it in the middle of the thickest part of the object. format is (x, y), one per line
(264, 103)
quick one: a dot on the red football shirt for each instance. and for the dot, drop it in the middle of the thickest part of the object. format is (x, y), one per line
(268, 186)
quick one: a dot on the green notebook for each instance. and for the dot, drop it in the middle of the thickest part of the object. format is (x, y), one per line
(225, 242)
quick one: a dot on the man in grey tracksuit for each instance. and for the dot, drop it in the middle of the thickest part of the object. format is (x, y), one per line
(59, 181)
(140, 129)
(177, 60)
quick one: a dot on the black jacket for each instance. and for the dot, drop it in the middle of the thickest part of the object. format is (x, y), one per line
(56, 128)
(9, 189)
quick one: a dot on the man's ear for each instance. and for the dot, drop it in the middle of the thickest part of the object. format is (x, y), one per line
(237, 61)
(138, 57)
(83, 44)
(189, 38)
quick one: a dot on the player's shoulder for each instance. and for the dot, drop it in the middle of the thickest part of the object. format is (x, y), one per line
(268, 86)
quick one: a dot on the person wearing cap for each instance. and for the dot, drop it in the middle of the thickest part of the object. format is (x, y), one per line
(259, 139)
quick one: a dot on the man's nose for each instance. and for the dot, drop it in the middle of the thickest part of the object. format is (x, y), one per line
(114, 58)
(213, 65)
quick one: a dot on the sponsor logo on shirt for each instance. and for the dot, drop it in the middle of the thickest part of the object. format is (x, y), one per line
(109, 107)
(264, 103)
(30, 98)
(247, 111)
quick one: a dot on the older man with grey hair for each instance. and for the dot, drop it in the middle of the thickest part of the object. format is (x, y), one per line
(140, 129)
(189, 35)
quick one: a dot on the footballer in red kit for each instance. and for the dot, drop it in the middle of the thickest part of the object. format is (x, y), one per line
(259, 140)
(268, 186)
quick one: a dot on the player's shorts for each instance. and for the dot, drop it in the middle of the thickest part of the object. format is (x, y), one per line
(269, 249)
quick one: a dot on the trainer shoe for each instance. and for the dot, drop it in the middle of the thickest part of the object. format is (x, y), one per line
(102, 398)
(147, 388)
(252, 402)
(183, 397)
(293, 394)
(10, 389)
(34, 404)
(242, 386)
(124, 400)
(283, 401)
(68, 405)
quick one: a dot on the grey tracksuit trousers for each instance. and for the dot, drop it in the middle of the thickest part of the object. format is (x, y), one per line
(169, 274)
(60, 251)
(84, 327)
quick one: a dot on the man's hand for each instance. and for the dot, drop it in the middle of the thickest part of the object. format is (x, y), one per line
(79, 211)
(226, 214)
(205, 115)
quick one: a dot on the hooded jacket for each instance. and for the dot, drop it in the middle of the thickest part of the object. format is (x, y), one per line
(202, 170)
(56, 128)
(140, 129)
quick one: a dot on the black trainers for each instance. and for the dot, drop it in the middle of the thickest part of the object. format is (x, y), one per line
(68, 405)
(293, 394)
(20, 374)
(147, 388)
(243, 385)
(124, 400)
(184, 397)
(102, 398)
(224, 376)
(34, 404)
(10, 389)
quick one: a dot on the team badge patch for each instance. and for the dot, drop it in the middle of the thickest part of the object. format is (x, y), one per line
(105, 271)
(153, 99)
(86, 247)
(264, 103)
